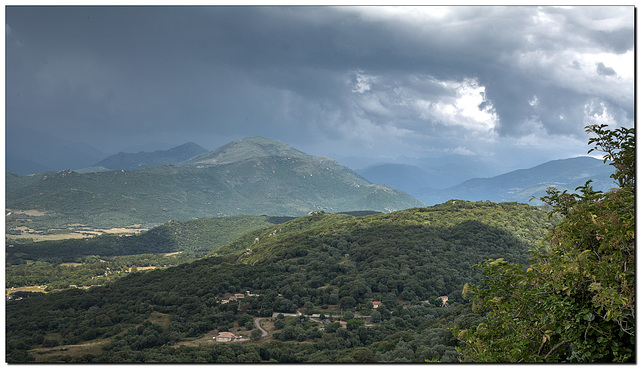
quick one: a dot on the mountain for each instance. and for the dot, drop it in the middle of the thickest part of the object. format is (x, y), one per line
(243, 149)
(134, 161)
(37, 151)
(521, 185)
(419, 175)
(321, 264)
(251, 176)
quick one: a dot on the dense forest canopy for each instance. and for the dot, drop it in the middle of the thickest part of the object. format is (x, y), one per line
(331, 264)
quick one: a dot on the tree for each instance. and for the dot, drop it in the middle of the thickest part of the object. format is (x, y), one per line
(576, 300)
(375, 317)
(256, 335)
(347, 302)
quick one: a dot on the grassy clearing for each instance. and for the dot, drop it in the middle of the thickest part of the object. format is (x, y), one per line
(171, 254)
(34, 288)
(71, 264)
(161, 319)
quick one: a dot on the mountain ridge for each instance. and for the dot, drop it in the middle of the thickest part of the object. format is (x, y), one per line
(518, 185)
(133, 161)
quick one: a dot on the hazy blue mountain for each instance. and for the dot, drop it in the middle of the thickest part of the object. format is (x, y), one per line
(44, 151)
(22, 166)
(252, 176)
(521, 185)
(420, 175)
(134, 161)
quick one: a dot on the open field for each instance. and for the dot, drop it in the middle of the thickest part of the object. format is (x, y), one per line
(26, 232)
(91, 347)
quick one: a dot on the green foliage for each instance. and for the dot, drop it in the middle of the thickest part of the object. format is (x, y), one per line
(576, 300)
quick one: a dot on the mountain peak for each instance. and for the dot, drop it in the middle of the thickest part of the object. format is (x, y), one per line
(243, 149)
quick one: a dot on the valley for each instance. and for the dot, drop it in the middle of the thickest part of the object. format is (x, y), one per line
(303, 261)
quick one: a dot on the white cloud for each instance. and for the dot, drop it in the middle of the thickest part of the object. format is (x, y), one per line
(463, 151)
(411, 14)
(384, 100)
(598, 113)
(469, 108)
(362, 84)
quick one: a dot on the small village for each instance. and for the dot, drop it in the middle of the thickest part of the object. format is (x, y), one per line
(267, 327)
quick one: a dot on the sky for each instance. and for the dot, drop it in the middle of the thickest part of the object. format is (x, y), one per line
(512, 85)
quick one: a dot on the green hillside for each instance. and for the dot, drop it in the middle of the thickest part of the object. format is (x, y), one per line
(255, 184)
(333, 264)
(194, 237)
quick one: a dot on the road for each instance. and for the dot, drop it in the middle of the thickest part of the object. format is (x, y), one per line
(259, 327)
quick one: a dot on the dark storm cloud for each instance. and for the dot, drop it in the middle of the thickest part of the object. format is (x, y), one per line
(418, 79)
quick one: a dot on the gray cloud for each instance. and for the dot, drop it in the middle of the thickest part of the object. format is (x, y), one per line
(368, 80)
(604, 70)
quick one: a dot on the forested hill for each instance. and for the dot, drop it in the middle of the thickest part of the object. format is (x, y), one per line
(320, 263)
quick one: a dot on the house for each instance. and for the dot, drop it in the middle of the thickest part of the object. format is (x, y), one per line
(225, 337)
(376, 304)
(239, 296)
(343, 324)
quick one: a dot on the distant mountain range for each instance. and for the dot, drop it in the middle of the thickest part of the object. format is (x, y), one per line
(259, 176)
(515, 186)
(251, 176)
(133, 161)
